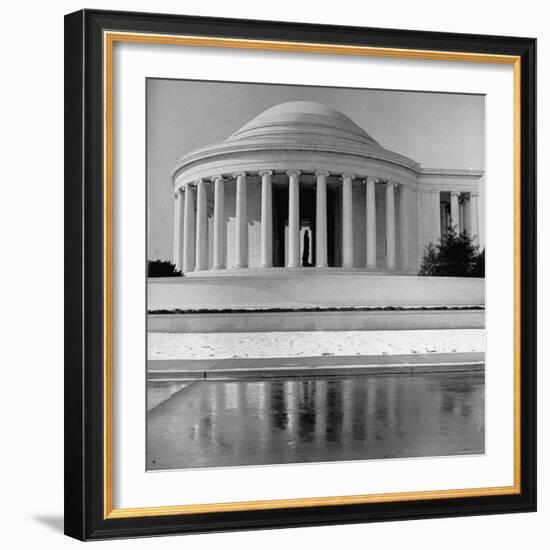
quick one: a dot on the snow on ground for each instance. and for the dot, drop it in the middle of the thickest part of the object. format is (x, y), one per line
(224, 345)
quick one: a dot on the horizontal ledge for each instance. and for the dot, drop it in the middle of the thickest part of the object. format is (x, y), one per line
(311, 272)
(244, 373)
(318, 309)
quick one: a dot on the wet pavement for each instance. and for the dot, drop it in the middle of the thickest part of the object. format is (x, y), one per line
(278, 421)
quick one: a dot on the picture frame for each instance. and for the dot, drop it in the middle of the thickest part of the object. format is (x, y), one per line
(90, 36)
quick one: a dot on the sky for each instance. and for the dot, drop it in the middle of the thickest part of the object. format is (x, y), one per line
(438, 130)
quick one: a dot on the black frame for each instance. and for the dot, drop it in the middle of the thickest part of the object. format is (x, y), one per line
(84, 517)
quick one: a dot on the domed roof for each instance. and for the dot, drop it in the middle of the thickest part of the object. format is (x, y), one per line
(302, 133)
(302, 119)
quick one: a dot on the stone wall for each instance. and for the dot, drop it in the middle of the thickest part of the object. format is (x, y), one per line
(312, 321)
(311, 287)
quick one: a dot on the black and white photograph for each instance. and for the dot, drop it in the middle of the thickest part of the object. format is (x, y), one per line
(315, 274)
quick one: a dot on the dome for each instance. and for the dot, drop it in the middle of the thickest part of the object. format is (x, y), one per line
(306, 120)
(298, 133)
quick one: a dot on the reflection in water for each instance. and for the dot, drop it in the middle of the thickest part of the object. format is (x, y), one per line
(299, 420)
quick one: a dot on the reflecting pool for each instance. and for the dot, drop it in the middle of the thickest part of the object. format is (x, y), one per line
(278, 421)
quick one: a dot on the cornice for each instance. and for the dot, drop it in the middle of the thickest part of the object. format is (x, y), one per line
(450, 173)
(225, 149)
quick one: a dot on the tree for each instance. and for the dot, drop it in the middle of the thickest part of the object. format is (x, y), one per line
(456, 255)
(160, 268)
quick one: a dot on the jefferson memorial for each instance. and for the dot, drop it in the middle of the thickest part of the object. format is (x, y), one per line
(302, 207)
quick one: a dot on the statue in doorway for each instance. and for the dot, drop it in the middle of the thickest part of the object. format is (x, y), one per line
(305, 255)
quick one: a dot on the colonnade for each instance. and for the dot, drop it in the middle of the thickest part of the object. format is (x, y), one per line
(191, 240)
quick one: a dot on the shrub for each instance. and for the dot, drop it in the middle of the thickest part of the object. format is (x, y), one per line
(479, 265)
(160, 268)
(456, 255)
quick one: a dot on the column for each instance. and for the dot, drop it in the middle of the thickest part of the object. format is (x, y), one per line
(178, 229)
(201, 233)
(371, 223)
(474, 220)
(390, 224)
(461, 215)
(241, 240)
(436, 217)
(467, 215)
(321, 220)
(266, 234)
(293, 218)
(189, 230)
(404, 225)
(454, 211)
(347, 220)
(219, 220)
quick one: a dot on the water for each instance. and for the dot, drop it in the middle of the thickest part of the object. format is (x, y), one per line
(236, 423)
